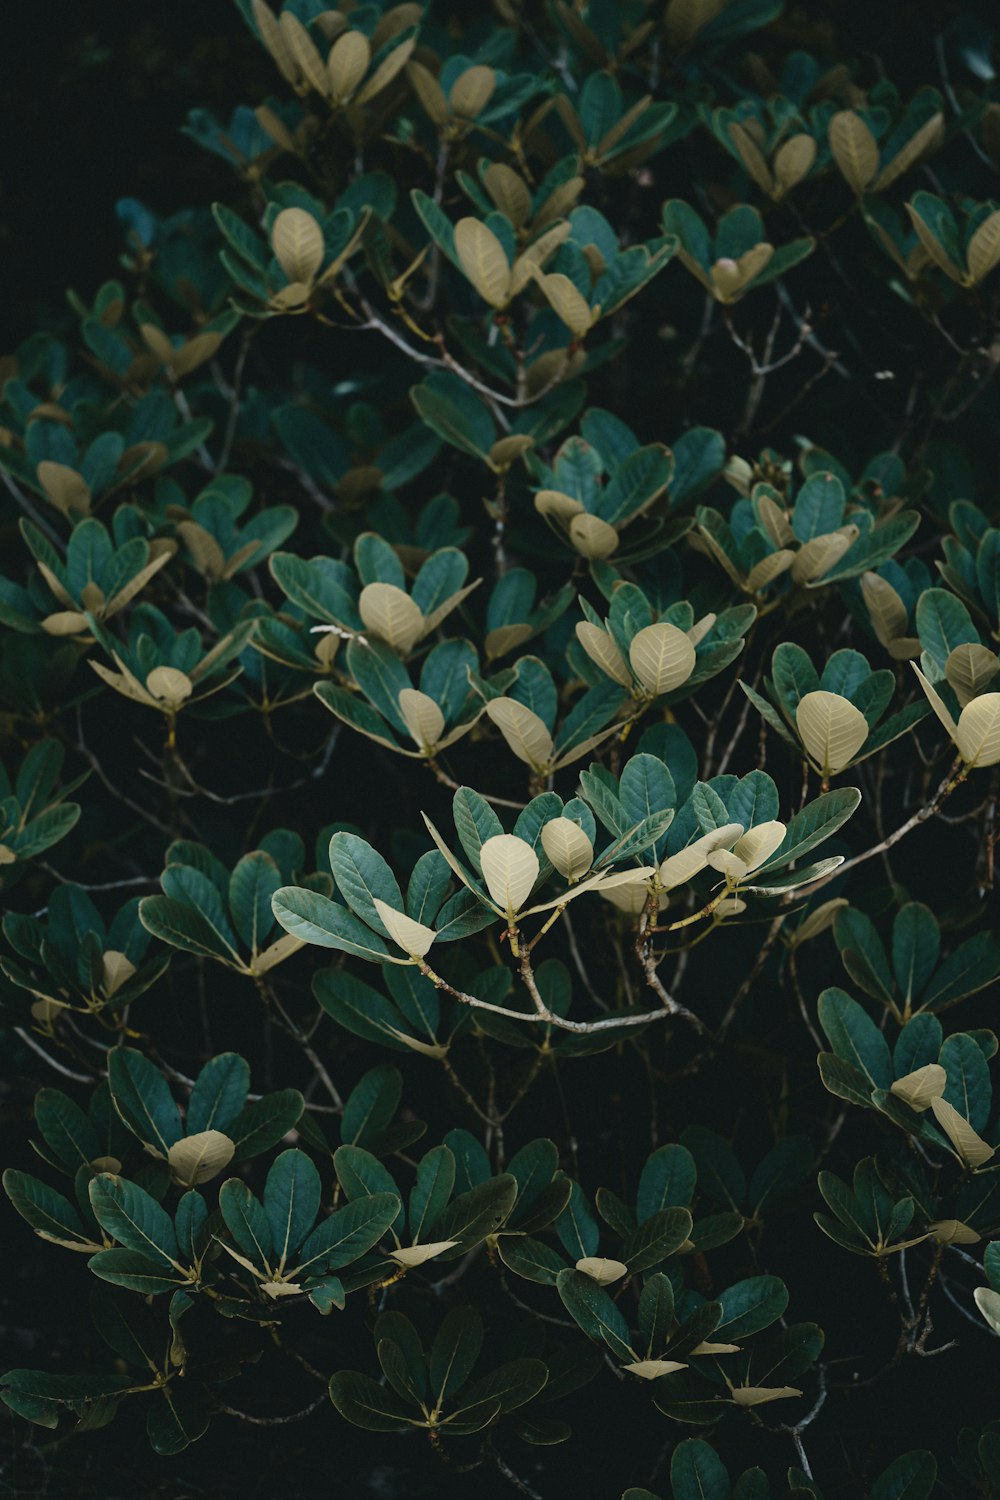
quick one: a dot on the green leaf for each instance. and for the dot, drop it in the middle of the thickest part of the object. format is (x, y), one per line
(817, 821)
(263, 1123)
(177, 1417)
(361, 1400)
(316, 919)
(697, 1472)
(912, 1476)
(667, 1181)
(350, 1232)
(252, 885)
(473, 1215)
(48, 1212)
(969, 1088)
(247, 1222)
(433, 1187)
(749, 1306)
(137, 1273)
(362, 876)
(591, 1307)
(143, 1099)
(454, 1351)
(133, 1218)
(854, 1037)
(219, 1094)
(530, 1258)
(291, 1202)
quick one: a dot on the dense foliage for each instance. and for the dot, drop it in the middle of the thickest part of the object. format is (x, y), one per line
(500, 713)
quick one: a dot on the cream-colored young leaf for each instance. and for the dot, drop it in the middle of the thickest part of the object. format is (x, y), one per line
(769, 568)
(937, 703)
(629, 897)
(472, 91)
(304, 52)
(509, 192)
(759, 843)
(818, 921)
(972, 1149)
(273, 39)
(708, 1347)
(169, 685)
(759, 1395)
(389, 613)
(700, 629)
(953, 1232)
(557, 505)
(536, 254)
(921, 141)
(921, 1086)
(831, 729)
(510, 868)
(523, 730)
(983, 253)
(731, 277)
(978, 733)
(567, 302)
(64, 487)
(821, 554)
(422, 716)
(429, 92)
(970, 668)
(855, 149)
(567, 847)
(601, 648)
(297, 242)
(116, 969)
(408, 1256)
(886, 609)
(199, 1158)
(793, 161)
(662, 657)
(988, 1302)
(652, 1369)
(592, 537)
(347, 64)
(413, 937)
(387, 71)
(598, 880)
(602, 1270)
(484, 261)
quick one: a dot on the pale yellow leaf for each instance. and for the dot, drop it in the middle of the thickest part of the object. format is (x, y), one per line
(936, 702)
(759, 1395)
(629, 897)
(662, 657)
(922, 141)
(818, 921)
(536, 254)
(199, 1158)
(592, 537)
(886, 609)
(970, 668)
(652, 1369)
(505, 637)
(567, 302)
(602, 1270)
(304, 52)
(347, 64)
(831, 729)
(387, 71)
(64, 487)
(978, 733)
(601, 649)
(759, 843)
(855, 149)
(568, 848)
(731, 277)
(984, 248)
(700, 629)
(988, 1302)
(821, 554)
(921, 1086)
(429, 92)
(508, 190)
(510, 868)
(273, 39)
(523, 730)
(422, 716)
(554, 503)
(297, 242)
(390, 614)
(116, 969)
(972, 1149)
(769, 568)
(413, 937)
(953, 1232)
(484, 261)
(416, 1255)
(793, 161)
(472, 91)
(169, 685)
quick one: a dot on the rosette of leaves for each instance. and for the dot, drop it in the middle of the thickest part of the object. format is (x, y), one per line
(284, 1242)
(166, 669)
(908, 975)
(215, 544)
(659, 655)
(822, 537)
(213, 912)
(872, 149)
(738, 258)
(382, 609)
(447, 1212)
(499, 187)
(608, 132)
(866, 1217)
(441, 711)
(346, 75)
(965, 247)
(48, 460)
(972, 561)
(512, 616)
(453, 411)
(601, 482)
(34, 815)
(101, 573)
(526, 714)
(219, 1126)
(697, 1471)
(463, 96)
(429, 1388)
(959, 677)
(834, 718)
(305, 252)
(950, 1078)
(73, 962)
(728, 825)
(776, 145)
(508, 868)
